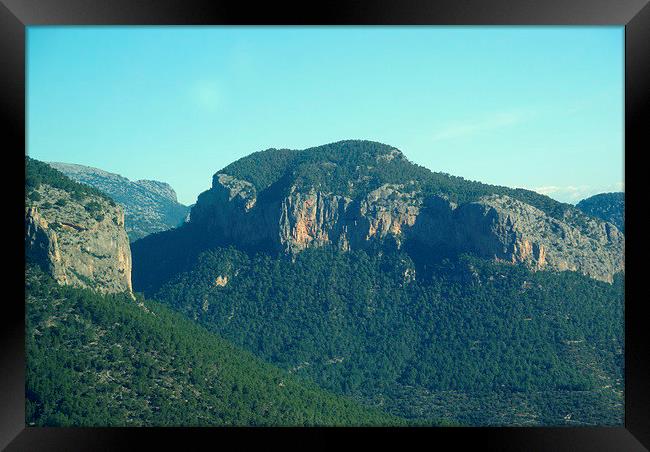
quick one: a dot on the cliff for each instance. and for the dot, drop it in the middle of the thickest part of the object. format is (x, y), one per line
(78, 238)
(505, 229)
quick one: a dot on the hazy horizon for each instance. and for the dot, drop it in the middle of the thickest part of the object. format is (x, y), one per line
(533, 107)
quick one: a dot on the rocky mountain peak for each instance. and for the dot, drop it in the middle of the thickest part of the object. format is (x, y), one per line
(359, 195)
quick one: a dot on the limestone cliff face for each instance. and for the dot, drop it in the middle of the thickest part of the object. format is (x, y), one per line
(390, 211)
(79, 242)
(495, 227)
(314, 219)
(508, 230)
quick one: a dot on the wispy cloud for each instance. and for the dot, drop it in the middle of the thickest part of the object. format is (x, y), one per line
(461, 129)
(574, 193)
(206, 94)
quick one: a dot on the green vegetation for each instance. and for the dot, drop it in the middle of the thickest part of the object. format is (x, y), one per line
(95, 209)
(149, 206)
(167, 253)
(105, 360)
(37, 173)
(358, 325)
(262, 168)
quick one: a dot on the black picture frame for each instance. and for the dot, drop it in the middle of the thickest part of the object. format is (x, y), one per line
(15, 15)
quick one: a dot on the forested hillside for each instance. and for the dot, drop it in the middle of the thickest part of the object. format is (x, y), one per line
(467, 337)
(339, 285)
(37, 173)
(105, 360)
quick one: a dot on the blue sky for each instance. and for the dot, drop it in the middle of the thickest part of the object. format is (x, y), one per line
(533, 107)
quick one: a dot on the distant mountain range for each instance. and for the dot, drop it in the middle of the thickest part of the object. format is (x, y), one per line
(150, 206)
(606, 206)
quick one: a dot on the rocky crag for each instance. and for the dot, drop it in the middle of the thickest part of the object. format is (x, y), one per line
(150, 206)
(359, 194)
(77, 237)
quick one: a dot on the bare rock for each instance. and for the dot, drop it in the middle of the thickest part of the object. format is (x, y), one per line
(79, 245)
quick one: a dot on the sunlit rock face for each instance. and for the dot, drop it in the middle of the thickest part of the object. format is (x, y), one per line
(76, 245)
(508, 230)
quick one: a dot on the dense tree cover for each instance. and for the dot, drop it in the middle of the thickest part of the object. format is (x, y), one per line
(606, 206)
(357, 166)
(37, 173)
(105, 360)
(357, 324)
(262, 168)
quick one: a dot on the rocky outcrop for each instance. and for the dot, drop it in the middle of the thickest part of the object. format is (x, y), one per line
(150, 206)
(495, 227)
(314, 219)
(508, 230)
(389, 210)
(79, 242)
(221, 281)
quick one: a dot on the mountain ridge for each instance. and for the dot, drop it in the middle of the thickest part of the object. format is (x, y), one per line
(419, 293)
(150, 206)
(98, 355)
(355, 194)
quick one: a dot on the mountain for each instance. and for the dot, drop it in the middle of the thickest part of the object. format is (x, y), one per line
(103, 360)
(74, 232)
(606, 206)
(425, 294)
(358, 195)
(150, 206)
